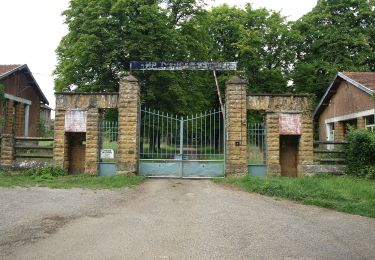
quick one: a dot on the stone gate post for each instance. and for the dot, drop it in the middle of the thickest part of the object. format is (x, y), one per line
(92, 141)
(273, 144)
(60, 153)
(236, 127)
(128, 113)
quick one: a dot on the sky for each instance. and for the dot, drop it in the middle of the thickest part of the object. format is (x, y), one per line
(32, 29)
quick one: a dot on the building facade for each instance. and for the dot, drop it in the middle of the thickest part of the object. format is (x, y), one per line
(348, 102)
(22, 102)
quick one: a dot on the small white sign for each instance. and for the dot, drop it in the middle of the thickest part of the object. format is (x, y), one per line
(107, 154)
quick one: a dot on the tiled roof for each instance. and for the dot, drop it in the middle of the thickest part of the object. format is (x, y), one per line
(367, 79)
(7, 68)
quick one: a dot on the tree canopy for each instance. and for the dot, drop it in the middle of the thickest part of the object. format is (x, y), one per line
(274, 55)
(337, 35)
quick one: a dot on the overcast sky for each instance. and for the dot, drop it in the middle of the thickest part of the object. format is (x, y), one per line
(32, 29)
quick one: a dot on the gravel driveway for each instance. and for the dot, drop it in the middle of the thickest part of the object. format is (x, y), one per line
(174, 219)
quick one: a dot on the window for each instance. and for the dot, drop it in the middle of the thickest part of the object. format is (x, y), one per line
(330, 135)
(370, 123)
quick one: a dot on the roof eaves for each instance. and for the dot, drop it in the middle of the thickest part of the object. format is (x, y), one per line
(325, 95)
(24, 66)
(357, 84)
(12, 71)
(37, 86)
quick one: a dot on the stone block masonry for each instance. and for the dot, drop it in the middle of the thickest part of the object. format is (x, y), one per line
(128, 112)
(7, 150)
(7, 140)
(92, 144)
(274, 105)
(273, 144)
(236, 126)
(60, 149)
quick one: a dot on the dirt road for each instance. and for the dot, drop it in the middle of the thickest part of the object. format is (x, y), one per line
(175, 219)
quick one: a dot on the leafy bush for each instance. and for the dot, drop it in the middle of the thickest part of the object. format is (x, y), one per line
(360, 153)
(47, 172)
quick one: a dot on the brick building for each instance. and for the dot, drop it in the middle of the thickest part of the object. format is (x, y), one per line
(23, 101)
(348, 101)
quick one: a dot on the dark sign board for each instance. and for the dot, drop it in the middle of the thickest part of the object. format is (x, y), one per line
(181, 65)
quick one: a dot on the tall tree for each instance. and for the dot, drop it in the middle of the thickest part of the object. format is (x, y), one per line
(105, 35)
(337, 35)
(266, 50)
(260, 40)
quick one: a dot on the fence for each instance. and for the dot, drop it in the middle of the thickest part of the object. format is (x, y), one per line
(256, 144)
(329, 152)
(32, 151)
(256, 149)
(108, 135)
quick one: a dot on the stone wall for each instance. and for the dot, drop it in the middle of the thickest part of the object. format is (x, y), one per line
(128, 112)
(91, 103)
(7, 140)
(272, 144)
(85, 101)
(127, 102)
(60, 153)
(92, 144)
(236, 127)
(7, 150)
(272, 106)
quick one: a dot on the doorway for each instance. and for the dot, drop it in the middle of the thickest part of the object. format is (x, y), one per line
(289, 155)
(77, 152)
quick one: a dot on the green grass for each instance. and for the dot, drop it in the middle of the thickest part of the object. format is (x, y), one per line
(45, 143)
(67, 182)
(342, 193)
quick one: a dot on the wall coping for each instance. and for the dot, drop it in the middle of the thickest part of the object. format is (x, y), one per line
(87, 93)
(279, 95)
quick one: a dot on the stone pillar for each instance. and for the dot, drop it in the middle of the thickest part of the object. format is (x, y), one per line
(92, 141)
(236, 127)
(60, 144)
(19, 119)
(361, 123)
(128, 113)
(339, 131)
(273, 144)
(306, 145)
(7, 150)
(7, 141)
(9, 117)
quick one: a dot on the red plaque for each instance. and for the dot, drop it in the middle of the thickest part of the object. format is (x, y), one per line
(75, 121)
(290, 124)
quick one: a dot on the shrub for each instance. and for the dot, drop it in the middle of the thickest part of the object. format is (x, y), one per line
(47, 172)
(360, 153)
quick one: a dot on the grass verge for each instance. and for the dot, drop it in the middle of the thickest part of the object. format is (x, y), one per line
(342, 193)
(67, 182)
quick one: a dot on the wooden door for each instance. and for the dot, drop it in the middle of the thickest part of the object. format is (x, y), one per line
(289, 155)
(77, 152)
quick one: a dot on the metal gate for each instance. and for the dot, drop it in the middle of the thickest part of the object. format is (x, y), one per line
(108, 135)
(182, 147)
(256, 149)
